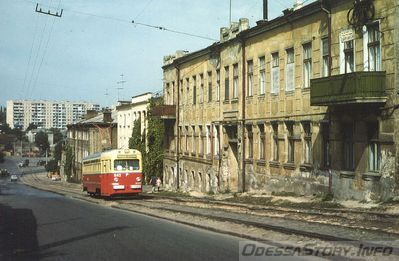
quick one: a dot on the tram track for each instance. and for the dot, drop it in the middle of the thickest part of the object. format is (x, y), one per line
(227, 212)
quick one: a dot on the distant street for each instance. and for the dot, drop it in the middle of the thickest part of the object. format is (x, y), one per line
(36, 225)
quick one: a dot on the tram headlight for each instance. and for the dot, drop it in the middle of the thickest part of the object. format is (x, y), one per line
(138, 179)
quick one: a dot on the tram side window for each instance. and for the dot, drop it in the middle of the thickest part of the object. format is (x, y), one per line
(126, 165)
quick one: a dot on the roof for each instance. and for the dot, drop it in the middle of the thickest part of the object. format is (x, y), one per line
(289, 17)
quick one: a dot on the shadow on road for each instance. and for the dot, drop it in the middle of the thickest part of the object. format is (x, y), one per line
(18, 240)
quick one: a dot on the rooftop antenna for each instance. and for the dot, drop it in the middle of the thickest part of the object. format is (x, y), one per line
(122, 83)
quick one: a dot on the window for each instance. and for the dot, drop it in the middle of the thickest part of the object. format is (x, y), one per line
(291, 143)
(235, 81)
(193, 135)
(374, 147)
(181, 92)
(202, 95)
(250, 71)
(325, 66)
(172, 98)
(349, 56)
(208, 140)
(262, 142)
(307, 140)
(188, 90)
(325, 131)
(226, 84)
(262, 76)
(372, 40)
(307, 64)
(123, 165)
(275, 141)
(216, 139)
(209, 86)
(217, 85)
(250, 153)
(194, 90)
(201, 140)
(289, 81)
(275, 73)
(348, 129)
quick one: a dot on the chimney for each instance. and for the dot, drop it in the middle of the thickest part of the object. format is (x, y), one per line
(265, 11)
(107, 116)
(90, 114)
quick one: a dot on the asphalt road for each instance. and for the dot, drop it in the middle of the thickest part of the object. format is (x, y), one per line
(37, 225)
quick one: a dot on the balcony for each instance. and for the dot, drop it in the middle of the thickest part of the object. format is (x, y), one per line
(165, 112)
(350, 88)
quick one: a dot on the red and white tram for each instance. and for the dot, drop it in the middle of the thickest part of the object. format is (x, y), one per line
(113, 172)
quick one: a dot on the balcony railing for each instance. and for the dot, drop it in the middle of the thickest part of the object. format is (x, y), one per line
(165, 111)
(350, 88)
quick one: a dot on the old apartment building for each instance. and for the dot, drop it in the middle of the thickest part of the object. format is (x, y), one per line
(306, 103)
(95, 133)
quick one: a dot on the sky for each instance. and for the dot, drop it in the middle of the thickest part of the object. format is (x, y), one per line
(81, 55)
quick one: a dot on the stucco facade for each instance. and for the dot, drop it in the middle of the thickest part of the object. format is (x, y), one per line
(305, 103)
(127, 114)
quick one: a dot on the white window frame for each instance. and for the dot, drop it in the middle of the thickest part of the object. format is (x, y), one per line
(250, 77)
(325, 57)
(216, 140)
(235, 81)
(307, 64)
(342, 64)
(275, 69)
(366, 48)
(262, 75)
(289, 72)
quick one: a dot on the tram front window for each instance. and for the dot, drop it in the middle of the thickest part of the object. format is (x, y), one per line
(121, 165)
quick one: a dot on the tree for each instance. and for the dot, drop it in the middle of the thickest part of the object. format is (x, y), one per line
(137, 141)
(41, 141)
(31, 126)
(153, 158)
(57, 135)
(5, 129)
(58, 151)
(69, 159)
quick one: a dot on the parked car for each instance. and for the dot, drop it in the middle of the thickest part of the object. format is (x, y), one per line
(14, 177)
(4, 173)
(24, 163)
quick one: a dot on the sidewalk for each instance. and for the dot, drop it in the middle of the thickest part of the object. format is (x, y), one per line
(326, 224)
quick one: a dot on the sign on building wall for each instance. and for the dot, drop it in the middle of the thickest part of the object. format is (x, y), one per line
(346, 35)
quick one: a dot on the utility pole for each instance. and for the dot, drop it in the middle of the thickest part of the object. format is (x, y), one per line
(39, 10)
(122, 83)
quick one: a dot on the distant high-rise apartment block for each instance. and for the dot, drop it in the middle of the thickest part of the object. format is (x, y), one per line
(46, 114)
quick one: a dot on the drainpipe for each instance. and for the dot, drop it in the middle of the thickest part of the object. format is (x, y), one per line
(242, 38)
(177, 128)
(330, 191)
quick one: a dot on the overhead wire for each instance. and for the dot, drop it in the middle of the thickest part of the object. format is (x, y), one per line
(30, 56)
(35, 60)
(45, 50)
(162, 28)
